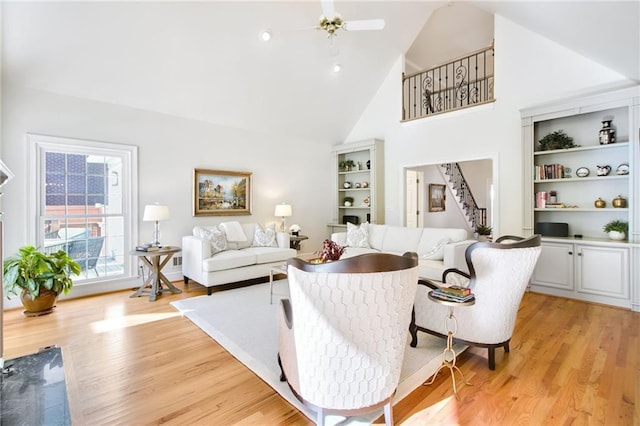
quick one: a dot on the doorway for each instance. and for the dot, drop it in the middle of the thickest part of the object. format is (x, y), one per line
(478, 175)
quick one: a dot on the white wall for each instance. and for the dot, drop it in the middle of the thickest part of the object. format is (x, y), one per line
(284, 170)
(529, 69)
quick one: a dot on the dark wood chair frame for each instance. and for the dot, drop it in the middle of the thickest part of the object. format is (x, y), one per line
(520, 242)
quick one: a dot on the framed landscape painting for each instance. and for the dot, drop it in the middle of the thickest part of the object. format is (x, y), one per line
(220, 193)
(436, 197)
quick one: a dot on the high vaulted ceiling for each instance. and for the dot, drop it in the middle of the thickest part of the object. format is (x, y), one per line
(206, 61)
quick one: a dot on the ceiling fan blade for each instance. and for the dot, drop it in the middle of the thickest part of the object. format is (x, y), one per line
(328, 9)
(366, 24)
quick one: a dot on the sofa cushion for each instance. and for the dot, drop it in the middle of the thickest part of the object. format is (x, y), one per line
(437, 251)
(400, 239)
(432, 238)
(264, 237)
(234, 231)
(216, 237)
(357, 251)
(357, 236)
(376, 235)
(270, 254)
(229, 259)
(248, 229)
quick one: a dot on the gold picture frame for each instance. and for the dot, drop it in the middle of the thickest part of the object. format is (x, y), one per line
(437, 197)
(221, 193)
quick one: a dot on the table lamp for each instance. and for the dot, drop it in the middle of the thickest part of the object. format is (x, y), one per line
(283, 210)
(155, 213)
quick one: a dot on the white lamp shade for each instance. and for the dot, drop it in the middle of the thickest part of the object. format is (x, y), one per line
(155, 212)
(283, 210)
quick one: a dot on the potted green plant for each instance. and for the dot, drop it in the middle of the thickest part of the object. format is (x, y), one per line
(348, 201)
(556, 140)
(38, 277)
(616, 229)
(346, 165)
(483, 232)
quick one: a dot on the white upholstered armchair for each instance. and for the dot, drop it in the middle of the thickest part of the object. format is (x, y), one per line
(499, 275)
(344, 332)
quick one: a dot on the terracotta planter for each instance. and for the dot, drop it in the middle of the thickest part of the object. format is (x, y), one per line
(41, 305)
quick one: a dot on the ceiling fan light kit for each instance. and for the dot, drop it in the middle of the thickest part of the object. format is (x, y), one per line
(330, 21)
(330, 25)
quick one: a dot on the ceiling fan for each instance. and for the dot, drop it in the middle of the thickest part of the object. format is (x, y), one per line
(330, 21)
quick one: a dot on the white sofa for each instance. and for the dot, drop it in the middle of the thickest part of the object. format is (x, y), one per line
(236, 261)
(438, 248)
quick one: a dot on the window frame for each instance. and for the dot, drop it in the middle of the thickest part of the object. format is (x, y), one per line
(39, 145)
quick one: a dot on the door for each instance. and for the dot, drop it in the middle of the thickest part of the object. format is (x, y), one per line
(555, 266)
(603, 271)
(415, 200)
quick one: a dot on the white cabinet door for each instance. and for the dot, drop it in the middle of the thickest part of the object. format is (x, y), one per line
(603, 271)
(555, 266)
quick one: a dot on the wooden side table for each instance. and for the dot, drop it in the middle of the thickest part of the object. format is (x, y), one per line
(295, 240)
(155, 261)
(449, 355)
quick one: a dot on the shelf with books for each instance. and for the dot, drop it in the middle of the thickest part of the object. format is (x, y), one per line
(583, 264)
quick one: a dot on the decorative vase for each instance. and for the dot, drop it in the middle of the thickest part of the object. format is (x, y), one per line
(347, 185)
(607, 133)
(40, 305)
(600, 203)
(368, 164)
(347, 203)
(615, 235)
(603, 170)
(619, 202)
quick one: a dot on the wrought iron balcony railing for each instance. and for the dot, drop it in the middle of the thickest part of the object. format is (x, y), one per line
(461, 83)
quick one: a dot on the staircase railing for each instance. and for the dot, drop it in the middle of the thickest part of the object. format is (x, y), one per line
(477, 215)
(460, 83)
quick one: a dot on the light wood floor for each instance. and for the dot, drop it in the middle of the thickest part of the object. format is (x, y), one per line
(131, 361)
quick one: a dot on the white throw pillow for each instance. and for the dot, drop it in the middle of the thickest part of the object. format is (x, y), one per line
(234, 231)
(358, 236)
(215, 235)
(265, 237)
(436, 252)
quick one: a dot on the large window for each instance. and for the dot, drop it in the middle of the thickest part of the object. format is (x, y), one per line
(84, 203)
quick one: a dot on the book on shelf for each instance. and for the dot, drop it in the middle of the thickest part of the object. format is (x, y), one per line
(456, 290)
(549, 171)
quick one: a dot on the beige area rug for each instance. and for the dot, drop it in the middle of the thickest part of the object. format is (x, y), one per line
(245, 324)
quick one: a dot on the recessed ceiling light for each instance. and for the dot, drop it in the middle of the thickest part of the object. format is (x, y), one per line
(265, 35)
(336, 68)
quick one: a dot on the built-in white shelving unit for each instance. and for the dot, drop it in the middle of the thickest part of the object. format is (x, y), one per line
(365, 183)
(586, 265)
